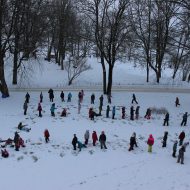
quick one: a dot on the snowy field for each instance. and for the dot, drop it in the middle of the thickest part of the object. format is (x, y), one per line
(56, 166)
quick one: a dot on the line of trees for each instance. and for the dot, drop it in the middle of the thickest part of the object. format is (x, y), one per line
(154, 34)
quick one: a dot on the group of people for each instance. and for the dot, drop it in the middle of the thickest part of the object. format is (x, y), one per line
(102, 140)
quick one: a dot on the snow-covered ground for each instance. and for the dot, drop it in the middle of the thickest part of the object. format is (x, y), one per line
(56, 166)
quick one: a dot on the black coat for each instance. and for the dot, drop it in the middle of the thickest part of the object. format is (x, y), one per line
(102, 138)
(74, 141)
(132, 141)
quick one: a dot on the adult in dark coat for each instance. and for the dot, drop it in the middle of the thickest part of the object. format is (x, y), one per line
(102, 140)
(74, 142)
(101, 100)
(123, 112)
(39, 110)
(184, 120)
(137, 112)
(107, 111)
(181, 138)
(25, 107)
(27, 96)
(181, 155)
(41, 97)
(51, 95)
(166, 119)
(92, 98)
(132, 113)
(62, 96)
(165, 139)
(177, 102)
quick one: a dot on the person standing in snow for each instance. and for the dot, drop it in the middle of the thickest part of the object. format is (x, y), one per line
(51, 95)
(86, 137)
(27, 97)
(174, 149)
(41, 97)
(137, 112)
(101, 100)
(184, 120)
(16, 141)
(148, 113)
(94, 138)
(25, 107)
(134, 134)
(132, 142)
(102, 140)
(150, 143)
(82, 93)
(177, 102)
(134, 99)
(62, 96)
(132, 113)
(92, 98)
(107, 111)
(181, 138)
(123, 112)
(52, 109)
(64, 112)
(165, 139)
(69, 97)
(166, 119)
(79, 106)
(74, 142)
(181, 155)
(46, 135)
(39, 110)
(80, 96)
(113, 112)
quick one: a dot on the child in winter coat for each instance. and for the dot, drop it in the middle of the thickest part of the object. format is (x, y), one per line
(181, 138)
(132, 142)
(81, 145)
(150, 143)
(113, 112)
(86, 137)
(62, 95)
(16, 141)
(102, 140)
(92, 98)
(39, 110)
(64, 112)
(51, 95)
(69, 97)
(165, 139)
(41, 97)
(181, 155)
(107, 111)
(4, 153)
(132, 113)
(184, 121)
(123, 112)
(52, 109)
(148, 113)
(25, 107)
(134, 99)
(177, 102)
(94, 138)
(137, 112)
(166, 120)
(27, 97)
(46, 135)
(74, 141)
(174, 149)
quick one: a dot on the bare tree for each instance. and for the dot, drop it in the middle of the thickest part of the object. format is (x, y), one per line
(75, 66)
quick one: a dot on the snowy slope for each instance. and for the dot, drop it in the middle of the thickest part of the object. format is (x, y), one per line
(56, 166)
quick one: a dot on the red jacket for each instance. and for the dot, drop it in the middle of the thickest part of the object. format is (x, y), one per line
(46, 133)
(150, 140)
(94, 136)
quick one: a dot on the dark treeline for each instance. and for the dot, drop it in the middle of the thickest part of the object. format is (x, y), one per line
(152, 33)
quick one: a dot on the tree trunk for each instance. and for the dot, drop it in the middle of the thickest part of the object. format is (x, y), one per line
(104, 74)
(147, 71)
(110, 76)
(3, 86)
